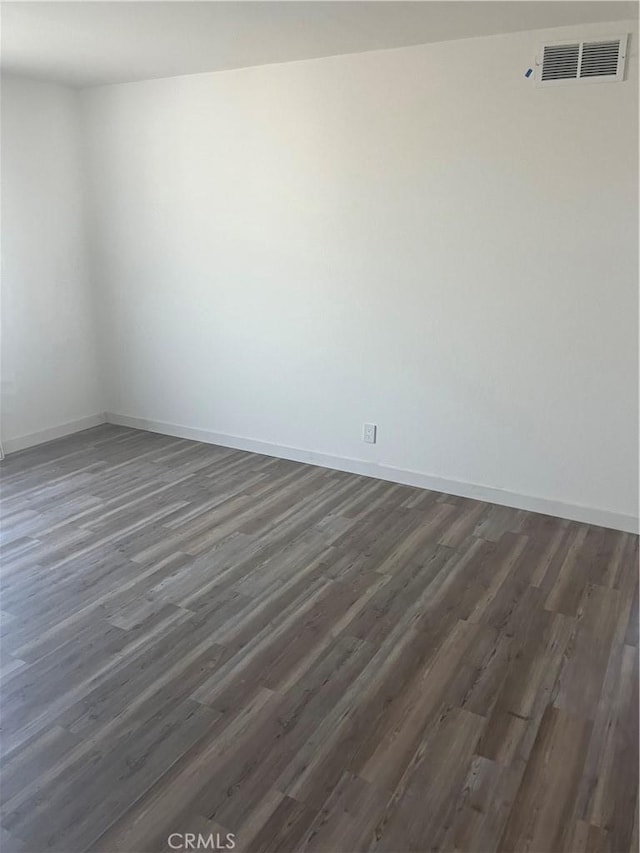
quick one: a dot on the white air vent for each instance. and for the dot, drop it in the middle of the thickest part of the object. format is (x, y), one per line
(582, 61)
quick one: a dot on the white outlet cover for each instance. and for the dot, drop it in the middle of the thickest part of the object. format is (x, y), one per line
(369, 432)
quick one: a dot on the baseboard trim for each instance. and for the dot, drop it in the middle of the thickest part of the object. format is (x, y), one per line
(12, 445)
(545, 506)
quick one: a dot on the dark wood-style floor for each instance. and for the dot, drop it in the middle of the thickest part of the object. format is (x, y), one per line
(197, 639)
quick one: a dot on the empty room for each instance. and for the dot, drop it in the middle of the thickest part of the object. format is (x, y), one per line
(319, 426)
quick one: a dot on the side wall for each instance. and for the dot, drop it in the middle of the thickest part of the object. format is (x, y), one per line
(49, 368)
(420, 238)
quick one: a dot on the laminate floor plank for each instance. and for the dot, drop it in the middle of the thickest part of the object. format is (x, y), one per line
(201, 640)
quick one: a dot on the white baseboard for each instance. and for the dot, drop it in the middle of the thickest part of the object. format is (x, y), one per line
(11, 445)
(546, 506)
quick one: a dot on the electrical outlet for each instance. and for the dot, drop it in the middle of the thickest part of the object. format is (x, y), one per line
(369, 432)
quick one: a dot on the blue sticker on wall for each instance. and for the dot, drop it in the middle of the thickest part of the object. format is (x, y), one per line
(528, 72)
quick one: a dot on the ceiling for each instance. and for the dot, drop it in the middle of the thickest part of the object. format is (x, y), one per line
(92, 43)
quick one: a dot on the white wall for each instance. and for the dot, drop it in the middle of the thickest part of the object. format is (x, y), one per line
(416, 237)
(49, 379)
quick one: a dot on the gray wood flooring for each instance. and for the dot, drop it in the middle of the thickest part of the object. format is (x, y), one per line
(196, 639)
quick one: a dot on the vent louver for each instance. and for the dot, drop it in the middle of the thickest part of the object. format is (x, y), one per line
(582, 61)
(599, 58)
(560, 62)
